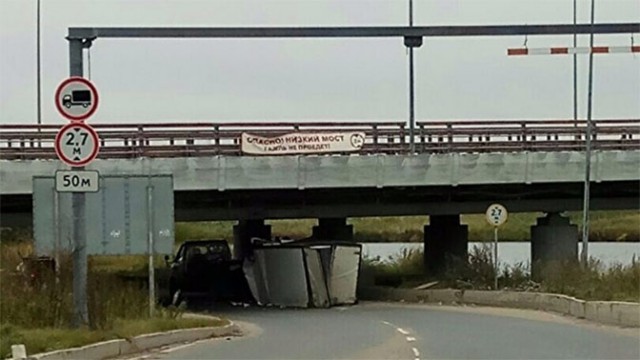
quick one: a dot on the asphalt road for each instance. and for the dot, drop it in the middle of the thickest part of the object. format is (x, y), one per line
(399, 331)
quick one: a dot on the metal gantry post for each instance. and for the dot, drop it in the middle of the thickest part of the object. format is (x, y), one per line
(411, 42)
(575, 66)
(38, 75)
(587, 176)
(412, 114)
(80, 304)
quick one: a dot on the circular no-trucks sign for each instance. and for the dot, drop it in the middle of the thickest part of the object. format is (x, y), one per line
(76, 98)
(77, 144)
(496, 214)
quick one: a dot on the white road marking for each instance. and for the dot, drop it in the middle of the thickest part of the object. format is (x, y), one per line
(140, 357)
(409, 338)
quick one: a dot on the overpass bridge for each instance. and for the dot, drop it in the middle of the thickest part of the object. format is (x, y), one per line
(458, 167)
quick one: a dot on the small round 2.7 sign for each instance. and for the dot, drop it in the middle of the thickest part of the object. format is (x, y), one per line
(496, 214)
(77, 144)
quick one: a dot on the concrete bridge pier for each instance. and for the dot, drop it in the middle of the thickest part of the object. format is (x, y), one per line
(242, 234)
(553, 238)
(444, 238)
(333, 229)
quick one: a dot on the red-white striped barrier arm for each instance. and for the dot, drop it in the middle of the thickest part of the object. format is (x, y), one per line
(572, 50)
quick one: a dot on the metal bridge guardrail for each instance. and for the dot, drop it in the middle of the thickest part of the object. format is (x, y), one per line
(209, 139)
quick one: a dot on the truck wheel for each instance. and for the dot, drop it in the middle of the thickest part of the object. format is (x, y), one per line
(67, 105)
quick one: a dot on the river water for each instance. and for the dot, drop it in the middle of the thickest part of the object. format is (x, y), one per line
(510, 253)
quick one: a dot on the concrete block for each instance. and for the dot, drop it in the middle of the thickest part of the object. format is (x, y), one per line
(448, 295)
(100, 350)
(52, 355)
(127, 347)
(150, 341)
(591, 311)
(18, 352)
(558, 303)
(604, 312)
(577, 308)
(626, 313)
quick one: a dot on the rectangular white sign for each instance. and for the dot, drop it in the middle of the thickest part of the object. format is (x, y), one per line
(302, 143)
(77, 181)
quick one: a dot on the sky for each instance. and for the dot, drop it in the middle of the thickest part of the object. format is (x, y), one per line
(218, 80)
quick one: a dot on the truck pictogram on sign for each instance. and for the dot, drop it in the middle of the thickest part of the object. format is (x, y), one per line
(76, 99)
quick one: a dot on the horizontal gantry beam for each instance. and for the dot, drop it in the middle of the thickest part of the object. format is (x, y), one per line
(348, 32)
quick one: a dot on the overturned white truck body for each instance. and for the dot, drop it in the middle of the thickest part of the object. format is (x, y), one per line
(304, 274)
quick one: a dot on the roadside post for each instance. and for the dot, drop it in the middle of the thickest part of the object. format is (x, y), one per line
(77, 145)
(151, 251)
(496, 215)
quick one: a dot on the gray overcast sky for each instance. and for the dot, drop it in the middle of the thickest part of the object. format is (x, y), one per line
(364, 79)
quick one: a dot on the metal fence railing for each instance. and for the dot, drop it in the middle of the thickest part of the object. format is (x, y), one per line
(209, 139)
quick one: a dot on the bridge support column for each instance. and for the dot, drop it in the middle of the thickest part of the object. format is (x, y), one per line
(444, 238)
(333, 229)
(242, 234)
(553, 239)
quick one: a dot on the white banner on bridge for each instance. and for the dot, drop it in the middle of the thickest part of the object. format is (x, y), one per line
(302, 143)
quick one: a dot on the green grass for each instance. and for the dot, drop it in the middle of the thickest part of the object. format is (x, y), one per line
(605, 226)
(38, 340)
(38, 313)
(592, 281)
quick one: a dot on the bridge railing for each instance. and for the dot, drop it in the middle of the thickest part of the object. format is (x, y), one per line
(526, 135)
(188, 139)
(208, 139)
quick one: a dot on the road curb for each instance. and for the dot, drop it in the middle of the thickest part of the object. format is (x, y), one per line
(120, 347)
(626, 314)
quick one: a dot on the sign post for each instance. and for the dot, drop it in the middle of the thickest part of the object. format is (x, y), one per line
(77, 145)
(151, 251)
(496, 215)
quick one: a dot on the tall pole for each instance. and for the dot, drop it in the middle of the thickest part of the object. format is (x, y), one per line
(38, 85)
(575, 66)
(495, 257)
(412, 117)
(80, 305)
(587, 177)
(150, 250)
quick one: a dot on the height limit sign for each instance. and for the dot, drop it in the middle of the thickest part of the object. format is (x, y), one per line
(77, 144)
